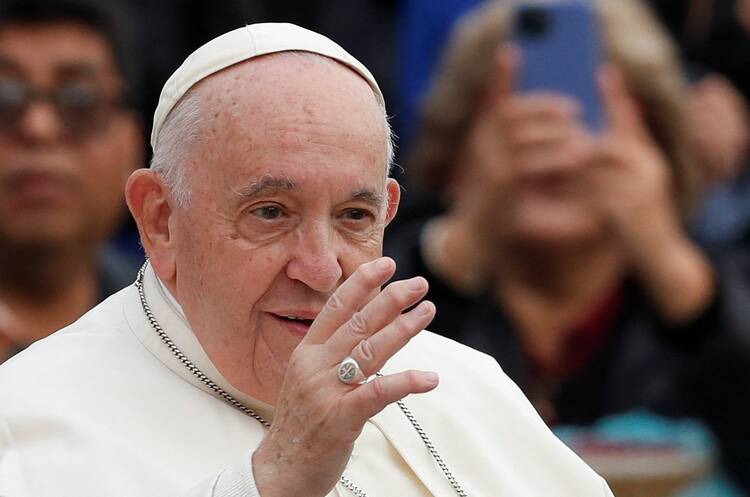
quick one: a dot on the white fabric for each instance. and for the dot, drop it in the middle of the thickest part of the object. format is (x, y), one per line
(236, 481)
(103, 408)
(243, 44)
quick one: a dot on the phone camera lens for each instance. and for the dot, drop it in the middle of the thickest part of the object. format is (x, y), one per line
(533, 21)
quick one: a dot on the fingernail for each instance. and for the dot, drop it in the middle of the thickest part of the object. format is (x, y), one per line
(424, 308)
(416, 284)
(431, 378)
(383, 265)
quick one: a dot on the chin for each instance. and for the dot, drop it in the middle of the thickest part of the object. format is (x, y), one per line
(42, 233)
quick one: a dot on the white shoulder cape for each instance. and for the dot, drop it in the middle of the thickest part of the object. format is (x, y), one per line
(103, 408)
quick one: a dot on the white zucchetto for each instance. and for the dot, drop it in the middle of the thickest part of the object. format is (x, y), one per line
(243, 44)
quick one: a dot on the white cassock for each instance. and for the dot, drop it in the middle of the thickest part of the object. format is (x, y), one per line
(103, 408)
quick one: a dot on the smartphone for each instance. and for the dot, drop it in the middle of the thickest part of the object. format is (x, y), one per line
(561, 51)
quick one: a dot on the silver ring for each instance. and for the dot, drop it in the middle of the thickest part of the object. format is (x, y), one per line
(349, 371)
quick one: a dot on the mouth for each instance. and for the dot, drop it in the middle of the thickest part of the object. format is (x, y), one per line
(299, 325)
(557, 185)
(38, 186)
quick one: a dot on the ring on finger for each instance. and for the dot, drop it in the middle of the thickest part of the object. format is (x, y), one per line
(349, 371)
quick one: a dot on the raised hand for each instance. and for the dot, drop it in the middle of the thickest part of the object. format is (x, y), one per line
(319, 417)
(628, 180)
(628, 176)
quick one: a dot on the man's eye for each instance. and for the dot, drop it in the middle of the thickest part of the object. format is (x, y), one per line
(268, 212)
(78, 97)
(358, 214)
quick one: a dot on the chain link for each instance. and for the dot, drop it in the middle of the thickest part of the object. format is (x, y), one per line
(346, 482)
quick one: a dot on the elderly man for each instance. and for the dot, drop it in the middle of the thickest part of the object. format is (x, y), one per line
(247, 354)
(69, 139)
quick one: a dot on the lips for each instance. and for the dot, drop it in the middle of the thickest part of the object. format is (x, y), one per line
(30, 185)
(295, 319)
(297, 322)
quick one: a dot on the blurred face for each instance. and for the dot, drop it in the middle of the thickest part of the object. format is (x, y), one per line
(551, 208)
(525, 164)
(289, 197)
(66, 146)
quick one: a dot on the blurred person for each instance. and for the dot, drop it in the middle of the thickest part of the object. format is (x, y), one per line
(68, 141)
(239, 355)
(564, 254)
(715, 46)
(719, 130)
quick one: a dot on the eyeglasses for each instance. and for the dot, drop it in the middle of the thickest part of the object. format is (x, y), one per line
(82, 109)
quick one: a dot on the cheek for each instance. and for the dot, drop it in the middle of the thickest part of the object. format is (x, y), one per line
(351, 256)
(221, 266)
(103, 174)
(106, 164)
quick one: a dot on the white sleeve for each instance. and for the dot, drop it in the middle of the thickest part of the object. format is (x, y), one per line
(234, 481)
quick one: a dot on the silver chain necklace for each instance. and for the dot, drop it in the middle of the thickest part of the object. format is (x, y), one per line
(346, 482)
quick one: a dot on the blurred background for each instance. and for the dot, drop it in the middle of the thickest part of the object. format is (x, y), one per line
(607, 272)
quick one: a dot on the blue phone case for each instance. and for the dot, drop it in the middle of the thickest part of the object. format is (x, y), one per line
(561, 53)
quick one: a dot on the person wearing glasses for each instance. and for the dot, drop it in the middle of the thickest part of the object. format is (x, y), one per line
(69, 138)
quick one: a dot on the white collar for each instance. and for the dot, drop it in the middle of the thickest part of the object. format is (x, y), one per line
(171, 317)
(167, 295)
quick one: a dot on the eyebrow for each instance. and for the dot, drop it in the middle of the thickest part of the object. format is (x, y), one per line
(272, 184)
(264, 185)
(369, 197)
(70, 69)
(78, 69)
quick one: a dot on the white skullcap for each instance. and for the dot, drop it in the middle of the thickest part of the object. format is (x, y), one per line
(243, 44)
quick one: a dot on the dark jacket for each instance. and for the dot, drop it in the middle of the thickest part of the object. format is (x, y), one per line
(698, 370)
(114, 271)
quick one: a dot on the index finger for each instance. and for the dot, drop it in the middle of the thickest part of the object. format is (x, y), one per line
(350, 297)
(502, 80)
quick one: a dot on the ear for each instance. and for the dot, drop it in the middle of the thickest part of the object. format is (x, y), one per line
(394, 197)
(149, 202)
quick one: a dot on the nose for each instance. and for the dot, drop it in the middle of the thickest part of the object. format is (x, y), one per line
(315, 261)
(40, 123)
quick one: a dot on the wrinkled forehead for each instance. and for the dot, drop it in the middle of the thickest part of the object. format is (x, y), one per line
(281, 107)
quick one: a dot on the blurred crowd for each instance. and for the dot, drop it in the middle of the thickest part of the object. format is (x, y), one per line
(605, 272)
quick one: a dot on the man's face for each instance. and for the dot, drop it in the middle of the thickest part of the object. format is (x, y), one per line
(63, 160)
(289, 197)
